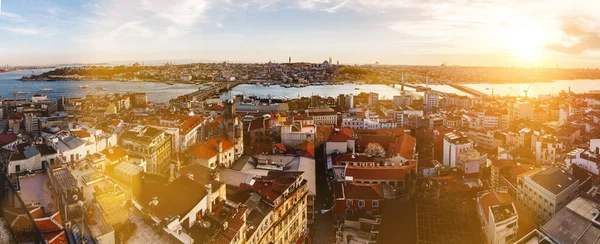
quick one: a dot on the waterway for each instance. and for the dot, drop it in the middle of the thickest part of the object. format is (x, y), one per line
(161, 92)
(157, 92)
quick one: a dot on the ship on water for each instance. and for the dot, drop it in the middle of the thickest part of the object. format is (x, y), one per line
(22, 92)
(84, 86)
(47, 89)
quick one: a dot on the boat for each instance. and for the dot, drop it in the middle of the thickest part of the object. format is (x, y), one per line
(170, 83)
(84, 86)
(47, 89)
(100, 88)
(356, 88)
(22, 92)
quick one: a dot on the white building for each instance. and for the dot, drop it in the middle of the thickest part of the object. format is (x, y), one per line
(587, 159)
(454, 143)
(548, 149)
(432, 100)
(297, 133)
(544, 191)
(323, 116)
(498, 216)
(31, 158)
(214, 152)
(470, 161)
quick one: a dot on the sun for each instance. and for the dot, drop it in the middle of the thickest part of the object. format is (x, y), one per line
(525, 39)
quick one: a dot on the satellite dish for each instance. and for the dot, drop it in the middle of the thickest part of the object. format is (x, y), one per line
(75, 197)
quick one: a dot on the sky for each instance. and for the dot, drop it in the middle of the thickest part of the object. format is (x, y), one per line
(550, 33)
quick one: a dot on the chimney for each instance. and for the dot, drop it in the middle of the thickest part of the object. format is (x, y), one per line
(209, 202)
(219, 146)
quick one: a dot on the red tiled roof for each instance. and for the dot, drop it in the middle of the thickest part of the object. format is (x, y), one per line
(274, 184)
(492, 199)
(114, 153)
(363, 191)
(50, 224)
(190, 124)
(379, 173)
(403, 146)
(281, 147)
(308, 149)
(81, 133)
(36, 212)
(384, 141)
(208, 149)
(343, 135)
(58, 237)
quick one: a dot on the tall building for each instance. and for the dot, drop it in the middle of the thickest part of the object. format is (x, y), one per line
(548, 149)
(373, 98)
(278, 208)
(544, 191)
(498, 216)
(454, 143)
(152, 144)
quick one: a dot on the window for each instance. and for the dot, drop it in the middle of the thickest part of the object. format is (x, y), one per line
(361, 203)
(349, 202)
(375, 203)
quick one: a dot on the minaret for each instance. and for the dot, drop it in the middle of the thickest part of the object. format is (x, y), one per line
(402, 87)
(290, 59)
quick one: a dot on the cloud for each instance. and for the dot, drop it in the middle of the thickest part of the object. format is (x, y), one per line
(133, 27)
(24, 31)
(336, 7)
(183, 12)
(580, 39)
(11, 16)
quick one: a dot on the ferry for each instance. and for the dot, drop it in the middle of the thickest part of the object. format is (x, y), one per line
(84, 86)
(47, 89)
(22, 92)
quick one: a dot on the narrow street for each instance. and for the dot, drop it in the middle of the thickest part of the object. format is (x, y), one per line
(323, 230)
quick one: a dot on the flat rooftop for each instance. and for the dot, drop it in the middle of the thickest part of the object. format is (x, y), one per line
(34, 190)
(554, 179)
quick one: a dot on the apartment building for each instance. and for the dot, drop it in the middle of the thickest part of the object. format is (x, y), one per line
(152, 144)
(544, 191)
(454, 143)
(323, 116)
(498, 216)
(548, 149)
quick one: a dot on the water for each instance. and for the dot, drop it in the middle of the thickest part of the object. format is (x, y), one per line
(160, 92)
(157, 92)
(577, 86)
(276, 91)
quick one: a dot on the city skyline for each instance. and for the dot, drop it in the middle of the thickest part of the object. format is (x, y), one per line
(488, 33)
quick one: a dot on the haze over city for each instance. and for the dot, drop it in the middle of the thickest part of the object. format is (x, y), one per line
(489, 33)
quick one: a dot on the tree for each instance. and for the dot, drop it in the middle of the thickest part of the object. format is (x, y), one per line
(374, 149)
